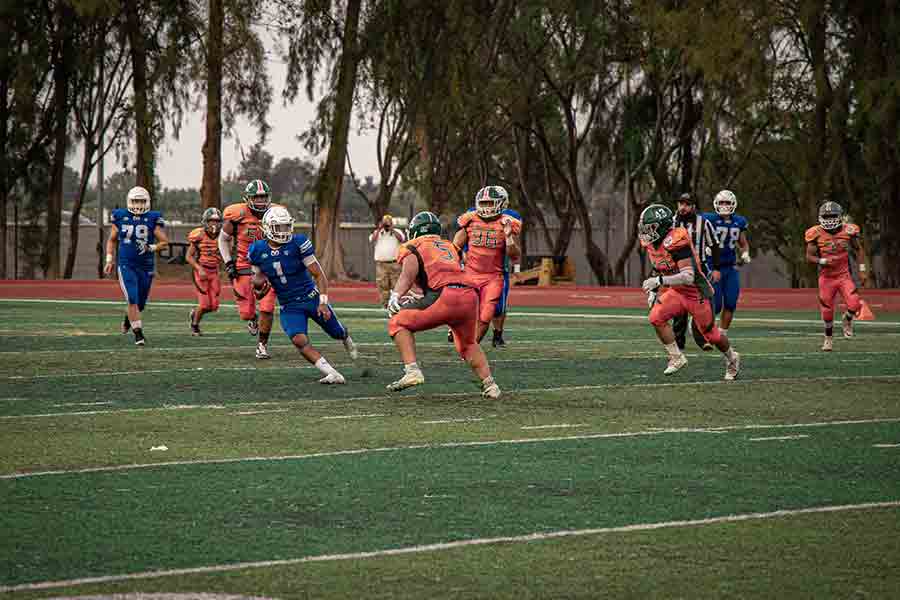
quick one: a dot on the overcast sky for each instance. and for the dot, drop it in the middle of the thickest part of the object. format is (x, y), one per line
(180, 163)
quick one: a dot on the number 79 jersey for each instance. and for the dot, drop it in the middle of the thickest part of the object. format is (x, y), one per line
(285, 266)
(135, 231)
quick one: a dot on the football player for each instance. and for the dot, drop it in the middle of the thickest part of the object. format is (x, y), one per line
(433, 264)
(731, 230)
(138, 233)
(490, 234)
(204, 258)
(680, 287)
(828, 245)
(242, 220)
(286, 263)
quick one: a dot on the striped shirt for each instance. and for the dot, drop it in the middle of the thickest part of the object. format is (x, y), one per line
(703, 235)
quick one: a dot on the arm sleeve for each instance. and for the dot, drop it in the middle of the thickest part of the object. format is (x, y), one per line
(681, 253)
(224, 241)
(684, 277)
(306, 248)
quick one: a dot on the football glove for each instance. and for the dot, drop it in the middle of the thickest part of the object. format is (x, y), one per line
(142, 246)
(745, 258)
(393, 306)
(231, 269)
(651, 299)
(651, 283)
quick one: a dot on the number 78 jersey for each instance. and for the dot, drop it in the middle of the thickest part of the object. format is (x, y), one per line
(134, 231)
(285, 266)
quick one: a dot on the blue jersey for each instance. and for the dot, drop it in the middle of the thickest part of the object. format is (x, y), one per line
(285, 268)
(728, 233)
(135, 232)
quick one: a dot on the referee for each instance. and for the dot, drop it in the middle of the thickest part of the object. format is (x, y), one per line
(705, 241)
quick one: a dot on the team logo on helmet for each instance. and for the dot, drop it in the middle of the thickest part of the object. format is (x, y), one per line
(654, 223)
(258, 196)
(424, 223)
(490, 201)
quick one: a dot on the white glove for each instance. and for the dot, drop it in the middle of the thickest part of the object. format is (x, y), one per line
(745, 258)
(393, 306)
(651, 283)
(142, 246)
(651, 299)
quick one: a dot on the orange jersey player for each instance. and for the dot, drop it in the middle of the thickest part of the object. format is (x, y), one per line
(204, 257)
(828, 245)
(242, 221)
(434, 265)
(490, 235)
(686, 289)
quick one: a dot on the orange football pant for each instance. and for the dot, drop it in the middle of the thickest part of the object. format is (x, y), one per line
(456, 307)
(246, 301)
(208, 290)
(673, 302)
(830, 287)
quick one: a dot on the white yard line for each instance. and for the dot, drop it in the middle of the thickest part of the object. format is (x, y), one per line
(449, 421)
(886, 445)
(245, 413)
(777, 438)
(532, 537)
(556, 426)
(512, 312)
(481, 443)
(467, 394)
(365, 416)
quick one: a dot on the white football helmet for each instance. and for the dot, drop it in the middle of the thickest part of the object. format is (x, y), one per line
(278, 225)
(830, 216)
(138, 200)
(490, 201)
(725, 203)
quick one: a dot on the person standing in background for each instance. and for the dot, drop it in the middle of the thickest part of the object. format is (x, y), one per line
(387, 242)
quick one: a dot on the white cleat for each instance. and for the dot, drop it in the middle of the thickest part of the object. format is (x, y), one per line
(409, 379)
(333, 378)
(350, 347)
(491, 391)
(262, 351)
(675, 363)
(732, 367)
(828, 344)
(847, 326)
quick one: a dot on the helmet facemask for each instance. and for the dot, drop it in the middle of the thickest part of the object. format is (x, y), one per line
(278, 225)
(212, 221)
(259, 204)
(138, 201)
(725, 203)
(490, 201)
(831, 216)
(648, 232)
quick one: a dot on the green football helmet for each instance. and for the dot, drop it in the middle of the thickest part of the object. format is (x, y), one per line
(258, 196)
(424, 223)
(655, 222)
(212, 221)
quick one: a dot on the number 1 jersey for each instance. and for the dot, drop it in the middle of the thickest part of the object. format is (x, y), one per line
(133, 229)
(285, 267)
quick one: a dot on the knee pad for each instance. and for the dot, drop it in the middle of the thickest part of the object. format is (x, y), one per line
(304, 341)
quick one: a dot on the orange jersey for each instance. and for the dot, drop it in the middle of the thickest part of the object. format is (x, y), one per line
(486, 253)
(439, 262)
(247, 229)
(674, 247)
(834, 246)
(207, 248)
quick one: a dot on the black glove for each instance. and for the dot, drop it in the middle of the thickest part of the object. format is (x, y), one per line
(231, 269)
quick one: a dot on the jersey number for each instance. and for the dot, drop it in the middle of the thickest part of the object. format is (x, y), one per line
(279, 271)
(141, 232)
(446, 254)
(731, 233)
(485, 237)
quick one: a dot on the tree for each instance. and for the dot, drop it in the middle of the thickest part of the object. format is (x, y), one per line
(256, 164)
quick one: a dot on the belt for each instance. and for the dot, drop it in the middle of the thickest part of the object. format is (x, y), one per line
(386, 262)
(458, 285)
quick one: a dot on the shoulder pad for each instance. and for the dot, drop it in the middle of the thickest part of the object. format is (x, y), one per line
(233, 212)
(466, 218)
(677, 238)
(742, 221)
(196, 234)
(511, 213)
(852, 229)
(812, 233)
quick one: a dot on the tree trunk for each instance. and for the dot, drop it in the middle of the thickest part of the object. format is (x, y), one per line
(331, 179)
(143, 117)
(61, 76)
(211, 185)
(631, 240)
(74, 227)
(4, 160)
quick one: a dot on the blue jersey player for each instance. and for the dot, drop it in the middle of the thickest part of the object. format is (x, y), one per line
(287, 263)
(731, 231)
(138, 233)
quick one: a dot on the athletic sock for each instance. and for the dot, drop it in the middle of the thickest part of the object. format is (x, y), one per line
(673, 350)
(724, 330)
(829, 328)
(409, 368)
(323, 366)
(487, 381)
(137, 324)
(730, 354)
(848, 316)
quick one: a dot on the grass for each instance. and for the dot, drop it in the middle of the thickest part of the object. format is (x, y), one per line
(261, 464)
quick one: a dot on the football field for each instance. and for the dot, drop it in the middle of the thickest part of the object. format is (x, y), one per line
(189, 466)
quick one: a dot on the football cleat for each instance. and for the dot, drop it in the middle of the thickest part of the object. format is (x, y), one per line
(253, 327)
(449, 336)
(847, 325)
(333, 378)
(492, 390)
(732, 367)
(139, 339)
(126, 325)
(350, 347)
(828, 344)
(707, 347)
(675, 363)
(498, 342)
(195, 327)
(409, 379)
(262, 352)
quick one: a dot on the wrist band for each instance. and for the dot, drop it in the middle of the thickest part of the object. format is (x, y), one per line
(823, 261)
(862, 268)
(109, 258)
(152, 247)
(323, 298)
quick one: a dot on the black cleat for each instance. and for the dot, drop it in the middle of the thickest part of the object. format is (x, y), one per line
(195, 327)
(498, 342)
(450, 337)
(139, 337)
(126, 325)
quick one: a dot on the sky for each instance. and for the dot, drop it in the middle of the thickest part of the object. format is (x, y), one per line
(180, 163)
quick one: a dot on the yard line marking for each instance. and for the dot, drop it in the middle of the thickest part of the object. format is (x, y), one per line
(512, 539)
(258, 412)
(446, 421)
(365, 416)
(477, 443)
(380, 311)
(84, 403)
(465, 394)
(12, 399)
(777, 438)
(886, 445)
(559, 426)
